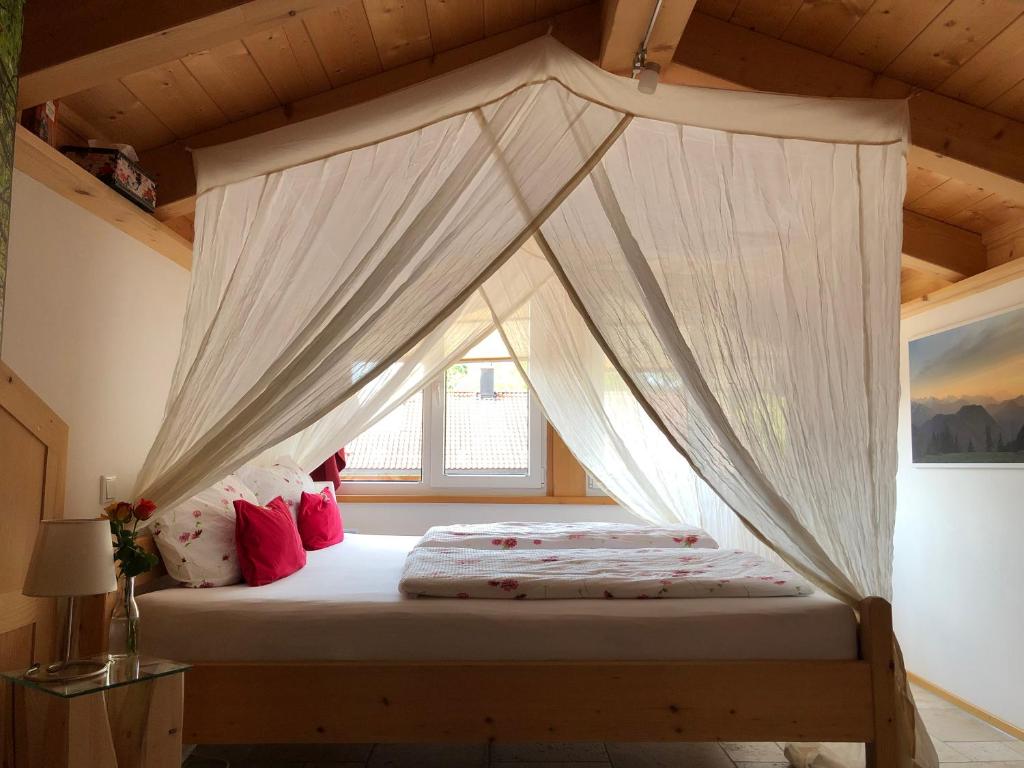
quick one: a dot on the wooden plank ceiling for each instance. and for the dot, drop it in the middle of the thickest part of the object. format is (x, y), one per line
(198, 72)
(971, 51)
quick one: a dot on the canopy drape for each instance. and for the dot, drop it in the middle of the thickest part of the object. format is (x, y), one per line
(713, 272)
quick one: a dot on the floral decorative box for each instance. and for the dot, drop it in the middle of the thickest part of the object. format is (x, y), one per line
(118, 171)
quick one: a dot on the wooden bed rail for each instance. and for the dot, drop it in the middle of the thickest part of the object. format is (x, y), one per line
(529, 701)
(455, 701)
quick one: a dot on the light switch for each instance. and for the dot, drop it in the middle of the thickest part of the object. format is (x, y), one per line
(108, 489)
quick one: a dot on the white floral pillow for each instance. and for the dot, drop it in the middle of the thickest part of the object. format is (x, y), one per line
(196, 539)
(283, 478)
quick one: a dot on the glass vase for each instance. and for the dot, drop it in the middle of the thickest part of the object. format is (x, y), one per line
(123, 639)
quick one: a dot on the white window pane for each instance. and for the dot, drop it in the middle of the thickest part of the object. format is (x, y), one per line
(392, 449)
(489, 348)
(486, 420)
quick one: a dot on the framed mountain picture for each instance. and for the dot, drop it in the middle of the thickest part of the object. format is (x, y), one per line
(967, 393)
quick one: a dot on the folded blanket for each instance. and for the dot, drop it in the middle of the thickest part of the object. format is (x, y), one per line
(595, 573)
(533, 536)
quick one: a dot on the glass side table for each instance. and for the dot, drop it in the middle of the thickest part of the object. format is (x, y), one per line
(130, 715)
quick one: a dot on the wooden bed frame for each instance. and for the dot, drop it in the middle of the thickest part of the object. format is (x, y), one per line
(531, 701)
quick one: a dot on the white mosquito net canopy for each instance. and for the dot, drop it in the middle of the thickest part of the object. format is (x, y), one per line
(700, 286)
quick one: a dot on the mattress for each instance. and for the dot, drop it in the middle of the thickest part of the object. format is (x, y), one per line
(345, 605)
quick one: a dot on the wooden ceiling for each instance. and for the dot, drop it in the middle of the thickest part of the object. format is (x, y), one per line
(169, 75)
(971, 51)
(324, 49)
(965, 49)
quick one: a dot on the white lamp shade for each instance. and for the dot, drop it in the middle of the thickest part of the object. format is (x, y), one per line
(70, 558)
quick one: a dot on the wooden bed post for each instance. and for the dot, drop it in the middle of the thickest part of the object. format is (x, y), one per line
(876, 648)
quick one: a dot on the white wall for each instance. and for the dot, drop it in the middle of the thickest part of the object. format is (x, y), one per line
(93, 321)
(959, 573)
(414, 519)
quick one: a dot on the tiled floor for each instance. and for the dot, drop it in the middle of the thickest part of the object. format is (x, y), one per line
(959, 739)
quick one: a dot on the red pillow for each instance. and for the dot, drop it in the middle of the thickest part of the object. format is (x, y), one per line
(268, 543)
(320, 520)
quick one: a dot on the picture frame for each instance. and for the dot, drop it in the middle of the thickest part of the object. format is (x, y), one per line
(967, 393)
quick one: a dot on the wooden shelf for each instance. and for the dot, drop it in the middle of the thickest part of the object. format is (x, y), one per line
(45, 164)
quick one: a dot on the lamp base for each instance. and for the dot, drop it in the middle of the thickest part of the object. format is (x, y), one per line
(66, 671)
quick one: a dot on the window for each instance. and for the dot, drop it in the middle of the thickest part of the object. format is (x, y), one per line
(476, 427)
(390, 450)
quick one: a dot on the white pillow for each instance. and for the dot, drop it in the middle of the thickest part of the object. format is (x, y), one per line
(196, 539)
(283, 478)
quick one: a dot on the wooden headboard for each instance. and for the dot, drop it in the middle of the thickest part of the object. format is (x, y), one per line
(33, 461)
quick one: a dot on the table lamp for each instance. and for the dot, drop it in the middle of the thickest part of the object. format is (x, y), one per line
(71, 558)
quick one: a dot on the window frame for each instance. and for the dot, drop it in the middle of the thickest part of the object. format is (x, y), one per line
(536, 477)
(434, 481)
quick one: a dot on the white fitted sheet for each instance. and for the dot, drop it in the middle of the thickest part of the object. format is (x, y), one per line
(345, 605)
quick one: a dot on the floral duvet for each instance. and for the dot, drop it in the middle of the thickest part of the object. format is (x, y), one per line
(516, 574)
(541, 536)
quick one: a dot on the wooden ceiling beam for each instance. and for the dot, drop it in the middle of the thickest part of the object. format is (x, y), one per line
(983, 281)
(914, 284)
(72, 45)
(947, 136)
(940, 249)
(624, 24)
(171, 164)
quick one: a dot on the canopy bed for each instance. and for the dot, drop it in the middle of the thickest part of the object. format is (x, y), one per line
(701, 288)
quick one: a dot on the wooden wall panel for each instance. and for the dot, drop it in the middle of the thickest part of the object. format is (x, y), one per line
(566, 477)
(22, 487)
(33, 453)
